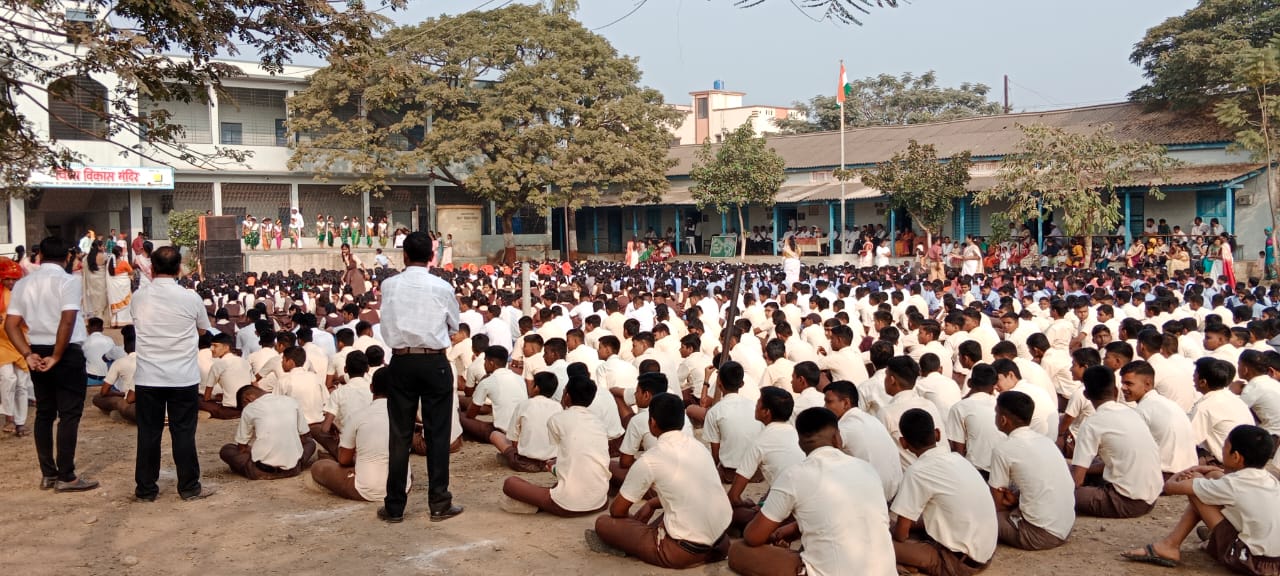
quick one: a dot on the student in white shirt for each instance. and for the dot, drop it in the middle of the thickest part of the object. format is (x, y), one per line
(775, 450)
(345, 401)
(682, 475)
(99, 351)
(1033, 492)
(901, 373)
(1168, 423)
(227, 375)
(1131, 478)
(306, 387)
(1220, 410)
(947, 495)
(526, 445)
(582, 467)
(971, 423)
(863, 436)
(805, 378)
(1008, 377)
(1239, 503)
(730, 426)
(691, 374)
(840, 527)
(637, 438)
(936, 387)
(273, 440)
(503, 388)
(116, 392)
(359, 470)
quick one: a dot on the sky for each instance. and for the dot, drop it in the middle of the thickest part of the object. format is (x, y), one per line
(1057, 53)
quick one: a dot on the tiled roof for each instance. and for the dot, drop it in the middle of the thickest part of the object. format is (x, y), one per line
(982, 136)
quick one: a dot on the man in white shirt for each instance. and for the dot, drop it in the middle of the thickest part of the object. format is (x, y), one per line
(116, 392)
(840, 528)
(498, 329)
(359, 470)
(503, 388)
(227, 375)
(863, 436)
(1033, 492)
(935, 387)
(99, 351)
(845, 361)
(776, 448)
(48, 302)
(691, 374)
(901, 373)
(804, 381)
(730, 426)
(353, 396)
(582, 465)
(682, 475)
(946, 494)
(1131, 479)
(168, 319)
(1168, 423)
(971, 422)
(273, 440)
(1172, 380)
(1220, 410)
(1008, 377)
(526, 445)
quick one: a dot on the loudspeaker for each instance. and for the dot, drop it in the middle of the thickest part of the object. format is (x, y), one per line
(219, 228)
(220, 245)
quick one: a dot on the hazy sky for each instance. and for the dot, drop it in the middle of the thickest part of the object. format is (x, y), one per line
(1056, 53)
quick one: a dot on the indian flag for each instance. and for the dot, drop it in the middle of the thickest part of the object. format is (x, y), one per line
(844, 86)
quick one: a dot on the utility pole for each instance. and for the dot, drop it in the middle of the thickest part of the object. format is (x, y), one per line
(1007, 108)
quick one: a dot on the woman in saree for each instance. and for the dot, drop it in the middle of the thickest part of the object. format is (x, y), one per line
(353, 271)
(95, 283)
(120, 288)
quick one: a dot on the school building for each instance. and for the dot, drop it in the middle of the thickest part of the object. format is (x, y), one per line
(129, 192)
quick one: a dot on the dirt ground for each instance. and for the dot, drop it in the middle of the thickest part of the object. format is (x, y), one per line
(283, 527)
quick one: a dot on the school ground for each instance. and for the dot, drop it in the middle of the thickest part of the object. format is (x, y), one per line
(284, 527)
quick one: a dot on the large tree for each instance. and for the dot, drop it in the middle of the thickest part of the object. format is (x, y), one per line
(1077, 174)
(48, 49)
(918, 182)
(521, 106)
(1191, 58)
(741, 171)
(888, 100)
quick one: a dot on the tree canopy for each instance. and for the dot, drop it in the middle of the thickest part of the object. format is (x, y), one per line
(888, 100)
(43, 42)
(918, 182)
(1191, 58)
(1077, 174)
(520, 105)
(741, 171)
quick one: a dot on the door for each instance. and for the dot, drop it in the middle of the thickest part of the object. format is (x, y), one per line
(614, 225)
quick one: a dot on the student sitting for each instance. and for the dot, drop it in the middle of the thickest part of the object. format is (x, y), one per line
(348, 399)
(503, 388)
(117, 388)
(731, 427)
(227, 375)
(838, 516)
(360, 469)
(1220, 410)
(307, 388)
(1130, 459)
(776, 448)
(945, 493)
(1168, 423)
(1031, 488)
(273, 440)
(682, 474)
(1238, 503)
(637, 438)
(529, 447)
(971, 423)
(864, 437)
(582, 467)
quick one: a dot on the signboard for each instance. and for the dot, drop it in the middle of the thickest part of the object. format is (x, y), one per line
(464, 222)
(723, 247)
(104, 177)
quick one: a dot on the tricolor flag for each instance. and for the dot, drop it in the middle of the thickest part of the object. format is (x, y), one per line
(844, 86)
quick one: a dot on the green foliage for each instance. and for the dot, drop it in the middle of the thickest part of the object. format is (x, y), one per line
(741, 171)
(1075, 173)
(133, 39)
(1191, 58)
(184, 229)
(520, 105)
(1254, 110)
(918, 182)
(887, 100)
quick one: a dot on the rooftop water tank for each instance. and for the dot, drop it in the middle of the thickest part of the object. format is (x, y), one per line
(718, 85)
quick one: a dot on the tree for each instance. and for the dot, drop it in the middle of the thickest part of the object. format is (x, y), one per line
(184, 232)
(887, 100)
(1076, 173)
(918, 182)
(521, 105)
(741, 171)
(47, 49)
(1192, 58)
(841, 11)
(1254, 111)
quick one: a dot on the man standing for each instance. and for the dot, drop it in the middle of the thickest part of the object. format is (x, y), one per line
(296, 224)
(169, 319)
(48, 301)
(420, 314)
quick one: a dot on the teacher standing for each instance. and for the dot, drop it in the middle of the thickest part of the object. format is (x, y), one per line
(419, 315)
(168, 319)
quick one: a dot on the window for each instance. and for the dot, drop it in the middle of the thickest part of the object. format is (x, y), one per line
(1212, 204)
(192, 116)
(972, 222)
(79, 23)
(77, 109)
(256, 111)
(282, 133)
(702, 108)
(232, 133)
(819, 177)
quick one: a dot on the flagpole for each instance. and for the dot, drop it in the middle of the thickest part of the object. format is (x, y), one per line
(843, 221)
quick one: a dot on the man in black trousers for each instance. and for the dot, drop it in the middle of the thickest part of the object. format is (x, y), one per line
(168, 319)
(419, 315)
(48, 300)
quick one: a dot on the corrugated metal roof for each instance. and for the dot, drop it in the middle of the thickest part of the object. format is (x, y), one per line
(1184, 176)
(983, 136)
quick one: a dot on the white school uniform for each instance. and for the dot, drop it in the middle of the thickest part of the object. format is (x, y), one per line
(1033, 465)
(946, 492)
(732, 424)
(1131, 460)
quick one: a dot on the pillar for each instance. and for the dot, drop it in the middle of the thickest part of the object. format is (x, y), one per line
(18, 221)
(493, 218)
(635, 222)
(135, 213)
(724, 224)
(595, 230)
(215, 121)
(293, 196)
(364, 207)
(678, 229)
(777, 229)
(893, 230)
(831, 225)
(959, 235)
(1128, 235)
(431, 205)
(1040, 223)
(217, 198)
(1231, 210)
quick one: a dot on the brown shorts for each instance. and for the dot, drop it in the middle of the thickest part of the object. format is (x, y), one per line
(1225, 546)
(522, 464)
(1107, 502)
(934, 559)
(1016, 531)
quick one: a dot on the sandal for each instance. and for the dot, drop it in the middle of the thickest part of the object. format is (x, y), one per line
(1151, 558)
(9, 428)
(21, 431)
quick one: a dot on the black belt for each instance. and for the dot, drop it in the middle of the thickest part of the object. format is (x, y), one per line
(416, 351)
(270, 468)
(693, 547)
(970, 562)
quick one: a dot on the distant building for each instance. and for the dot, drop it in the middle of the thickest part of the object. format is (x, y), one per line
(712, 113)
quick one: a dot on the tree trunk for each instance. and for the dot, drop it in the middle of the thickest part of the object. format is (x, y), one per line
(570, 234)
(508, 241)
(1088, 250)
(742, 236)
